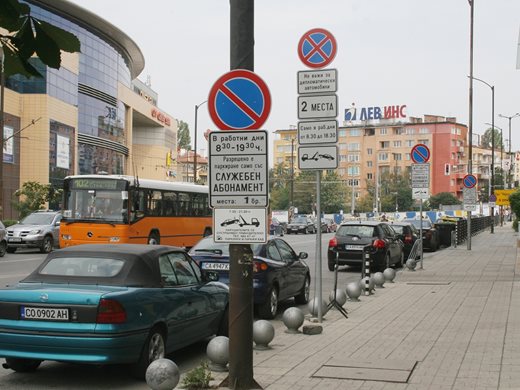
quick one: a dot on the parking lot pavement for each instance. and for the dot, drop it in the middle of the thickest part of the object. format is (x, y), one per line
(453, 325)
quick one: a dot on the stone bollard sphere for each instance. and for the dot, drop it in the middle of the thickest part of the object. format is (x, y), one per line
(389, 274)
(263, 334)
(353, 291)
(162, 374)
(293, 318)
(379, 279)
(411, 264)
(341, 296)
(313, 307)
(371, 284)
(218, 353)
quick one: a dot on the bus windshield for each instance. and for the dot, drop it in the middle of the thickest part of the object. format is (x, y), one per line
(96, 204)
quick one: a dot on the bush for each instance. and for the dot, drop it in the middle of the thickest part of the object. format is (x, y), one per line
(515, 225)
(198, 378)
(9, 222)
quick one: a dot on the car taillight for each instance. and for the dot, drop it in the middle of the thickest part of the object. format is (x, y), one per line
(110, 312)
(259, 266)
(379, 244)
(408, 239)
(333, 242)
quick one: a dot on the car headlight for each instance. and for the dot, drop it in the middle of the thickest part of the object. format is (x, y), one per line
(66, 236)
(114, 239)
(34, 232)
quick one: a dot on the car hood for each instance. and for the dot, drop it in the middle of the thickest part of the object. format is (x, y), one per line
(20, 226)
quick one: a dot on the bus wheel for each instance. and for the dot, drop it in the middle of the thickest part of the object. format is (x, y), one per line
(153, 239)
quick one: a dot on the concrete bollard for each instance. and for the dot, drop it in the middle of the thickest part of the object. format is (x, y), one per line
(162, 374)
(411, 264)
(389, 275)
(353, 291)
(341, 296)
(218, 353)
(263, 334)
(379, 279)
(293, 318)
(313, 307)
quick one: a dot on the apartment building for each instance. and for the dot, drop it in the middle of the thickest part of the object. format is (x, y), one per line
(374, 148)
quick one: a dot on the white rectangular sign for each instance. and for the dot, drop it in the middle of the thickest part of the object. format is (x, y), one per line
(318, 157)
(317, 81)
(238, 168)
(420, 193)
(420, 176)
(240, 225)
(318, 132)
(469, 196)
(317, 106)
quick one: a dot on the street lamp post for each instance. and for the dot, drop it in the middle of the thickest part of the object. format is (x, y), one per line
(2, 90)
(292, 173)
(195, 143)
(492, 87)
(509, 178)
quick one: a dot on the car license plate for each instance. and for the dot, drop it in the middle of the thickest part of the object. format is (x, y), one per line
(15, 239)
(44, 313)
(216, 266)
(354, 247)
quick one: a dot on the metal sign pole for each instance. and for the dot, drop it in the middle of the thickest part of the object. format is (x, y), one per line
(318, 246)
(420, 233)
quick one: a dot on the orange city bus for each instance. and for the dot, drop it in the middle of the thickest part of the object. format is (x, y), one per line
(125, 209)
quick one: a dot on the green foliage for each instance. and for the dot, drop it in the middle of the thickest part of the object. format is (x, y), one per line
(514, 200)
(198, 378)
(33, 196)
(515, 225)
(27, 36)
(9, 222)
(183, 136)
(442, 198)
(486, 139)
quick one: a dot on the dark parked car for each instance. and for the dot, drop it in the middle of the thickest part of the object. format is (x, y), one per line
(380, 241)
(430, 234)
(110, 304)
(408, 234)
(3, 239)
(279, 273)
(301, 224)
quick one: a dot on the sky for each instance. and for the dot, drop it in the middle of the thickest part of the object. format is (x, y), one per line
(398, 52)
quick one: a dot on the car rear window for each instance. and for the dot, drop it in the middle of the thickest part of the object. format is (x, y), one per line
(398, 229)
(356, 230)
(83, 266)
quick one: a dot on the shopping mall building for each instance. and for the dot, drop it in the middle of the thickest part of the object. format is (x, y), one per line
(90, 116)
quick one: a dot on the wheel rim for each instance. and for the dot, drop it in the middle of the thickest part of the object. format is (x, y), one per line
(274, 301)
(152, 241)
(307, 290)
(156, 347)
(47, 245)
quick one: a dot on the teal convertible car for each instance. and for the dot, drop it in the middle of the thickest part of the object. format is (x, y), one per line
(108, 304)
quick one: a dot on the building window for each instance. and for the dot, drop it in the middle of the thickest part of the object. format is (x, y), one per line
(353, 182)
(397, 144)
(410, 131)
(342, 158)
(353, 147)
(383, 131)
(342, 133)
(407, 156)
(382, 156)
(369, 164)
(369, 176)
(424, 142)
(384, 144)
(353, 171)
(410, 142)
(397, 156)
(353, 157)
(424, 130)
(369, 151)
(355, 133)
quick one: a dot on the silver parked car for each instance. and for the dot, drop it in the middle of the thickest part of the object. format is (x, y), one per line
(40, 229)
(3, 239)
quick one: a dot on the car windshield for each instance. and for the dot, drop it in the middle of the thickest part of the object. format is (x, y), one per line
(38, 219)
(356, 230)
(425, 224)
(299, 220)
(398, 228)
(217, 248)
(83, 266)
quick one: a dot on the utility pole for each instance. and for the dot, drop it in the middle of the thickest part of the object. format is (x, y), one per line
(240, 255)
(470, 120)
(2, 90)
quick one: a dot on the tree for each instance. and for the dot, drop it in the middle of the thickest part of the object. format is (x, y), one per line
(486, 140)
(27, 36)
(183, 136)
(442, 198)
(334, 193)
(279, 187)
(33, 196)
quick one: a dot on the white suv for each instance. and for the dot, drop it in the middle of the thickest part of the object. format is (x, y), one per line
(40, 229)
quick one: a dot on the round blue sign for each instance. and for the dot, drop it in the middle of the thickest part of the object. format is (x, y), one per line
(317, 48)
(469, 181)
(420, 154)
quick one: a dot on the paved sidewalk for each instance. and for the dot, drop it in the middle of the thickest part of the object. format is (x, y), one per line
(453, 325)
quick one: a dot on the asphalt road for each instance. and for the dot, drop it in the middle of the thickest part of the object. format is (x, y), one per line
(52, 375)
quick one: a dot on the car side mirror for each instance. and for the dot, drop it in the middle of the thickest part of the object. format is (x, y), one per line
(303, 255)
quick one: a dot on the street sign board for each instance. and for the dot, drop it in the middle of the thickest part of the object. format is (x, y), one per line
(238, 169)
(317, 48)
(421, 175)
(470, 181)
(420, 154)
(420, 193)
(239, 100)
(469, 195)
(318, 132)
(317, 106)
(317, 157)
(492, 198)
(317, 81)
(502, 197)
(240, 225)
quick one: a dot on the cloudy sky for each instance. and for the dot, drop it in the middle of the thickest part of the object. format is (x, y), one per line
(399, 52)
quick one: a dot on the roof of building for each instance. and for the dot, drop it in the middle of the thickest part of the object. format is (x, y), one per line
(98, 26)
